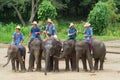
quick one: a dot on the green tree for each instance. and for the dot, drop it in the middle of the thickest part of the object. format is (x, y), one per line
(99, 17)
(17, 5)
(46, 10)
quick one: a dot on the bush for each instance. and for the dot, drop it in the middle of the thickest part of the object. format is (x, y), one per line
(99, 17)
(46, 10)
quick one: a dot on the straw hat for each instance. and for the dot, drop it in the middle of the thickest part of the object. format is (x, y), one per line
(18, 27)
(71, 24)
(49, 20)
(34, 22)
(87, 24)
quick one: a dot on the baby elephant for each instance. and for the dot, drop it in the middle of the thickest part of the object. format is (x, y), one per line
(83, 51)
(14, 55)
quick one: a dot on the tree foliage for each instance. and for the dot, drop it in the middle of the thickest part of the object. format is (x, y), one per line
(46, 10)
(17, 5)
(99, 17)
(114, 15)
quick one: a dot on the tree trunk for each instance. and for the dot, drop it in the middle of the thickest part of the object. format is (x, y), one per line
(19, 15)
(32, 13)
(34, 9)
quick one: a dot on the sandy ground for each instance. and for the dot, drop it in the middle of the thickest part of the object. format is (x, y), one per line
(111, 69)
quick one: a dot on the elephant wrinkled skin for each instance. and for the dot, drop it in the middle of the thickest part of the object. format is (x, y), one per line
(51, 47)
(14, 55)
(35, 54)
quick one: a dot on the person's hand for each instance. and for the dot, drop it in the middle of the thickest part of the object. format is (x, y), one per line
(70, 34)
(45, 32)
(36, 32)
(20, 44)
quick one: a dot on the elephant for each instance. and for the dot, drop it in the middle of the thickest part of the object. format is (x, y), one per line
(35, 55)
(14, 54)
(69, 54)
(99, 53)
(83, 51)
(51, 47)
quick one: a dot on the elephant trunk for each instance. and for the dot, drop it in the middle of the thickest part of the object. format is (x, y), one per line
(9, 57)
(36, 56)
(47, 62)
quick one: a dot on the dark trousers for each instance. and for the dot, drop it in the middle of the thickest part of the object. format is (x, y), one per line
(21, 50)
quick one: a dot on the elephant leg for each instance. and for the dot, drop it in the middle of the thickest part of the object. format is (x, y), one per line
(31, 62)
(55, 66)
(77, 62)
(24, 65)
(96, 64)
(38, 64)
(29, 47)
(73, 63)
(21, 63)
(84, 63)
(89, 57)
(67, 64)
(47, 62)
(51, 63)
(24, 60)
(17, 65)
(101, 64)
(13, 64)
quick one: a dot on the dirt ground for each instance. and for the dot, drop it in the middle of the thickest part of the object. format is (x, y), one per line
(111, 68)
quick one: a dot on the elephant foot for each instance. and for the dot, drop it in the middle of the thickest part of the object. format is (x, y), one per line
(101, 68)
(77, 70)
(92, 71)
(38, 70)
(17, 70)
(30, 70)
(13, 70)
(45, 73)
(85, 70)
(22, 71)
(67, 69)
(56, 70)
(95, 68)
(74, 69)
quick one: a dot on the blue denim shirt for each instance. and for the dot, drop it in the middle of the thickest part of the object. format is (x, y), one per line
(17, 38)
(70, 31)
(51, 29)
(88, 31)
(33, 31)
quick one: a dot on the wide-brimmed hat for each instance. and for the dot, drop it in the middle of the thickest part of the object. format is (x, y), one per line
(87, 24)
(71, 24)
(49, 20)
(34, 22)
(18, 27)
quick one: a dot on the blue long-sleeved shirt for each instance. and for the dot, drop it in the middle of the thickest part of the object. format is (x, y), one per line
(51, 29)
(88, 33)
(17, 38)
(71, 31)
(33, 31)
